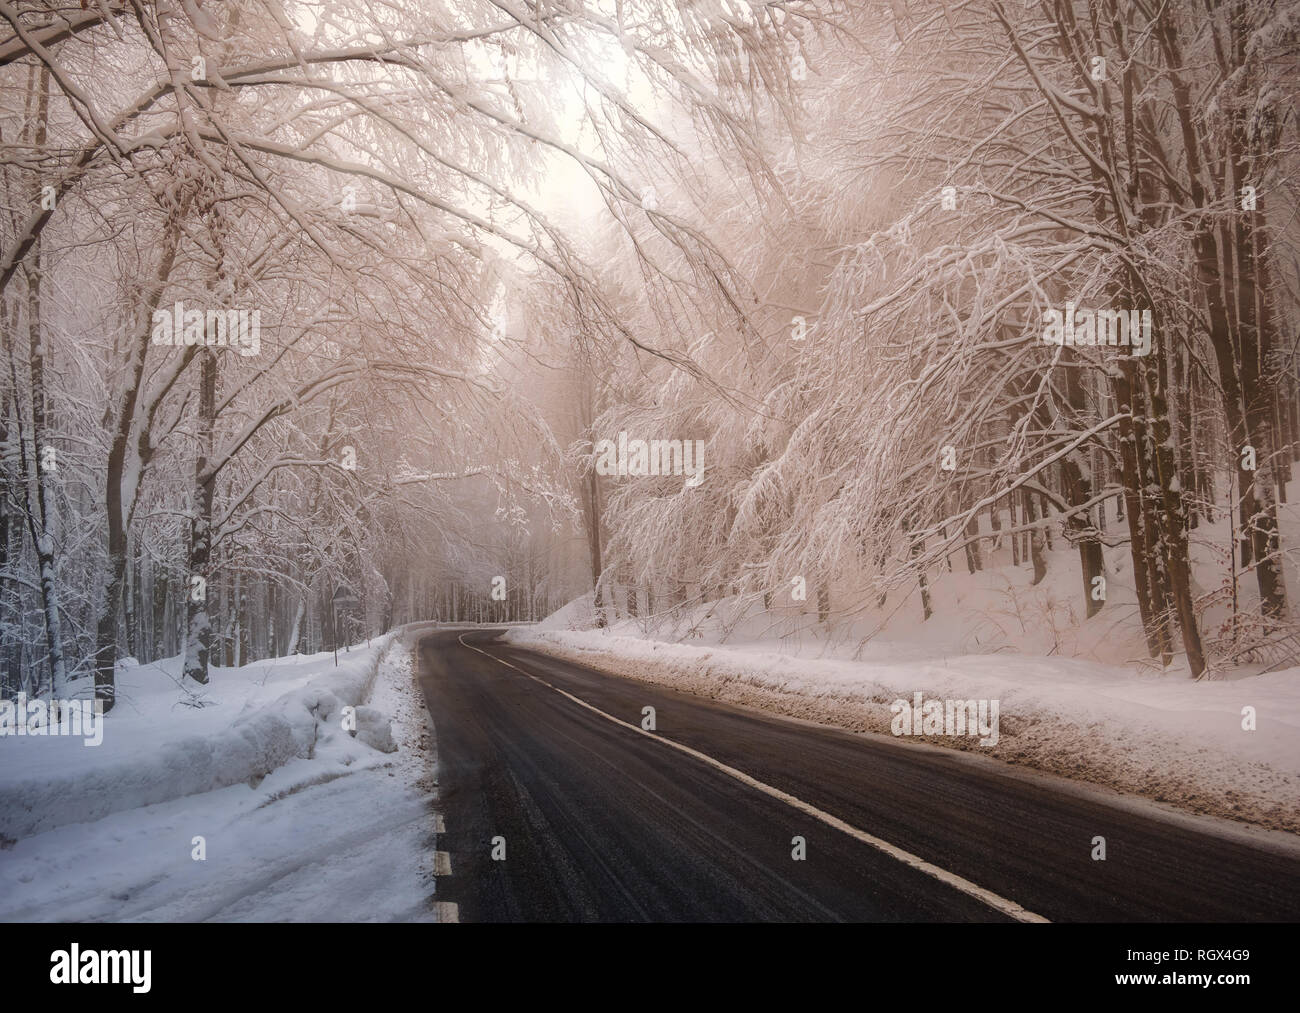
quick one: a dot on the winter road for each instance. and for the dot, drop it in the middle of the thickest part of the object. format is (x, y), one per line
(599, 820)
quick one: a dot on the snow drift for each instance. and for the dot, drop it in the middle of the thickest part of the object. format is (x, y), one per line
(164, 741)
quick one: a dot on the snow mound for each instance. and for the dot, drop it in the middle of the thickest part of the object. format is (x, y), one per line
(165, 740)
(579, 614)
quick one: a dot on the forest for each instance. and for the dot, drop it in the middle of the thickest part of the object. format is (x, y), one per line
(320, 317)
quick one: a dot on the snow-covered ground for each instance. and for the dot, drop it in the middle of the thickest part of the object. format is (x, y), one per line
(1078, 699)
(300, 820)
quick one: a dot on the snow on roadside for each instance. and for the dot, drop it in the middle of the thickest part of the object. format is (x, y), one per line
(342, 832)
(1172, 740)
(166, 739)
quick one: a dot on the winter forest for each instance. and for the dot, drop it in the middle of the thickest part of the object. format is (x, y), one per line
(324, 316)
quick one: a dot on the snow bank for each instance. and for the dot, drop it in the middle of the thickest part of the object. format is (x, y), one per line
(1162, 737)
(579, 614)
(346, 835)
(166, 739)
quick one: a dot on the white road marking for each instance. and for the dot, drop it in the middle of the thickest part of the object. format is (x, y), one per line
(447, 911)
(439, 827)
(993, 900)
(441, 863)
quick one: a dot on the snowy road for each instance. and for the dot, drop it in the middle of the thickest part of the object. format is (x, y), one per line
(544, 763)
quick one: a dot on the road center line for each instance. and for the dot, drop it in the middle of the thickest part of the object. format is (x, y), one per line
(1007, 907)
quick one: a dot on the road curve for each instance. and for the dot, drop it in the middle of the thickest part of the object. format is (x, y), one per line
(696, 821)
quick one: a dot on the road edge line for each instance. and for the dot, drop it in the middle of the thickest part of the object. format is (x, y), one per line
(993, 900)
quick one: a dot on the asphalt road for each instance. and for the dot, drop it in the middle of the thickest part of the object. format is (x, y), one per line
(695, 821)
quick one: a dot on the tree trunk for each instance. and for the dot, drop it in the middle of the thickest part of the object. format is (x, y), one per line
(1134, 512)
(198, 613)
(1036, 540)
(118, 500)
